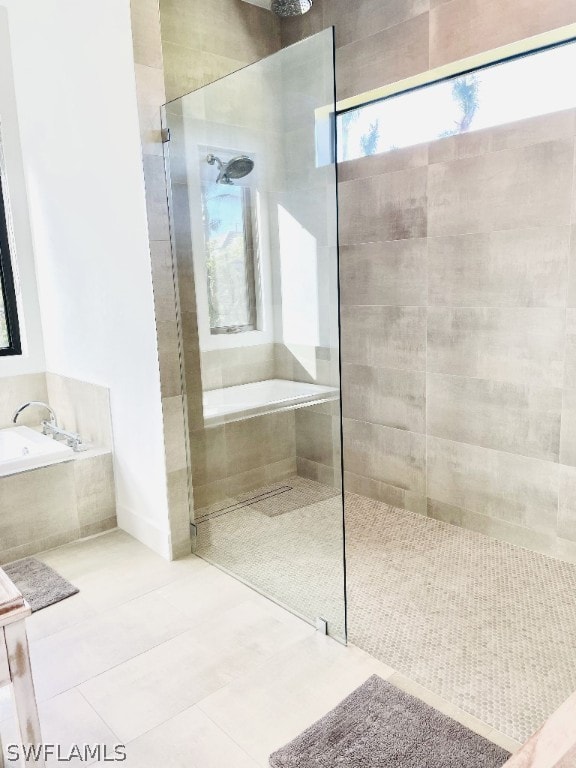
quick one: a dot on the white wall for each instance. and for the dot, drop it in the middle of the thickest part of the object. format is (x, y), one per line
(76, 96)
(32, 359)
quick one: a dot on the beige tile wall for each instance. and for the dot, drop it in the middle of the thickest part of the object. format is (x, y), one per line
(457, 279)
(82, 407)
(457, 381)
(242, 456)
(196, 42)
(47, 507)
(17, 390)
(379, 43)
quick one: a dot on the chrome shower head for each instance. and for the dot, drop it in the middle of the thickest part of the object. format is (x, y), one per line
(291, 7)
(237, 168)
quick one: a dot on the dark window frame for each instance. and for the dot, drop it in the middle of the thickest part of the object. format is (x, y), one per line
(7, 286)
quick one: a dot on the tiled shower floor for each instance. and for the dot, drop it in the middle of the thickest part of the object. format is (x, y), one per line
(488, 626)
(271, 544)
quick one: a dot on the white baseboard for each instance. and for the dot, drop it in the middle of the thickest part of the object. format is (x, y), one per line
(143, 530)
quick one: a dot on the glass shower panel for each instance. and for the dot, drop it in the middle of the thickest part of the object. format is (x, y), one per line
(254, 230)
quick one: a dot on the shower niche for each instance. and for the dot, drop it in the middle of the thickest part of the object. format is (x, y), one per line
(254, 230)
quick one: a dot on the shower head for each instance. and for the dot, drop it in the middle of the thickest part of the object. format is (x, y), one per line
(291, 7)
(237, 168)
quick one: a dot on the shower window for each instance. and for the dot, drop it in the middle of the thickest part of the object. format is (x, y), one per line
(497, 94)
(9, 329)
(230, 257)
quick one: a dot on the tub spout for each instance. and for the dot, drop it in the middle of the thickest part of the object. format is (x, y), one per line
(53, 420)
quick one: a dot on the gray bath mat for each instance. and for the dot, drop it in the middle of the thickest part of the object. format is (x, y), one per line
(380, 726)
(40, 584)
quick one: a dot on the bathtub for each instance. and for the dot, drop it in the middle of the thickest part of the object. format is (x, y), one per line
(244, 401)
(22, 448)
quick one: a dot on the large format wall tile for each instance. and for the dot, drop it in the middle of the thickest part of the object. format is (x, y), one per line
(464, 27)
(96, 503)
(570, 368)
(38, 504)
(145, 17)
(572, 261)
(385, 337)
(509, 417)
(17, 390)
(519, 490)
(386, 162)
(508, 268)
(391, 456)
(208, 450)
(387, 207)
(82, 407)
(259, 441)
(187, 69)
(296, 28)
(219, 27)
(568, 433)
(517, 345)
(357, 21)
(567, 506)
(538, 541)
(384, 57)
(521, 133)
(528, 187)
(314, 437)
(498, 206)
(385, 396)
(389, 494)
(393, 272)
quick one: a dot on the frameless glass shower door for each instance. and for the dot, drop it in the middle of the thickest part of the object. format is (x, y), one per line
(254, 229)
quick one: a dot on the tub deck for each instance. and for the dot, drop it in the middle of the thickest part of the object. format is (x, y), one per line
(23, 448)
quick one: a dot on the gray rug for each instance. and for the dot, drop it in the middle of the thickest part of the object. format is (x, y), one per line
(380, 726)
(40, 584)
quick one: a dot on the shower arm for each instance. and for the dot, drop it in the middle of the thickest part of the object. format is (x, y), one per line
(222, 177)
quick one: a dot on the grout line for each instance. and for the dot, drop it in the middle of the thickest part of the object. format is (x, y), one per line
(98, 715)
(464, 376)
(448, 235)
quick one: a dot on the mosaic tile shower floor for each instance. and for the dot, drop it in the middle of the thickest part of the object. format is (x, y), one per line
(278, 543)
(486, 625)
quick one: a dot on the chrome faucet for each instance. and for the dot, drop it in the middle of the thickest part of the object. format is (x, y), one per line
(53, 422)
(50, 427)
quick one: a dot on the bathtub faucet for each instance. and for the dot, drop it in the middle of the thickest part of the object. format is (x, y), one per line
(53, 420)
(50, 427)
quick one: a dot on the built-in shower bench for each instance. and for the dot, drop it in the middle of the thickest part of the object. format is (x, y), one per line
(15, 667)
(245, 401)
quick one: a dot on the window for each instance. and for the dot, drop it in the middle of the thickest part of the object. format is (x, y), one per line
(534, 84)
(230, 257)
(9, 329)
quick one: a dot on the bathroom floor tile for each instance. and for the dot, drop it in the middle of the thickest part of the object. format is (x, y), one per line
(202, 667)
(268, 707)
(189, 740)
(72, 656)
(67, 720)
(131, 570)
(486, 626)
(59, 616)
(154, 686)
(212, 591)
(282, 554)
